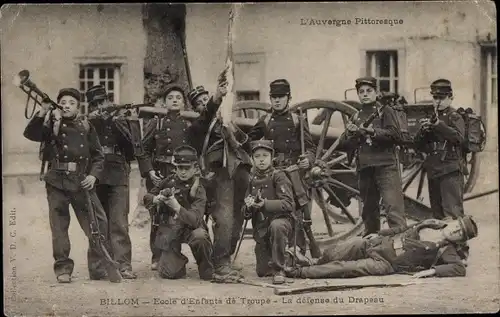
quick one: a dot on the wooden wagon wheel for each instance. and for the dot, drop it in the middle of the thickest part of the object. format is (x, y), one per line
(336, 195)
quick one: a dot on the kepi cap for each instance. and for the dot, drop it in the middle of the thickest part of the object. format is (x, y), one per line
(184, 155)
(193, 94)
(468, 226)
(370, 81)
(441, 87)
(96, 93)
(69, 92)
(262, 144)
(279, 87)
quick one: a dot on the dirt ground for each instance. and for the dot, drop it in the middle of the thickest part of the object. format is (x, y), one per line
(31, 288)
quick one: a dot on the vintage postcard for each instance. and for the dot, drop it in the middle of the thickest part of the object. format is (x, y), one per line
(250, 158)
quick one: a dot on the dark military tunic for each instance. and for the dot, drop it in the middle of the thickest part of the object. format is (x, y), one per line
(162, 135)
(113, 188)
(385, 255)
(273, 223)
(74, 153)
(286, 136)
(444, 164)
(188, 227)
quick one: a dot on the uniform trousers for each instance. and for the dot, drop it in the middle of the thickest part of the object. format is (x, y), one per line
(385, 182)
(353, 258)
(59, 217)
(446, 195)
(270, 246)
(116, 203)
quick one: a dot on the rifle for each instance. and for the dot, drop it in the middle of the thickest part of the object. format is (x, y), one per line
(112, 107)
(258, 198)
(97, 239)
(313, 245)
(167, 192)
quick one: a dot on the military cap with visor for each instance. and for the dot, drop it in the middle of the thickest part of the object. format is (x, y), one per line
(370, 81)
(279, 87)
(469, 227)
(69, 92)
(198, 91)
(441, 87)
(262, 144)
(184, 155)
(96, 93)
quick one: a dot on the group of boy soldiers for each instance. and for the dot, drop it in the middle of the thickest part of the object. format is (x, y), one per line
(84, 158)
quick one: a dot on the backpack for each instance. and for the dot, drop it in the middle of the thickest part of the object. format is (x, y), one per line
(475, 131)
(397, 103)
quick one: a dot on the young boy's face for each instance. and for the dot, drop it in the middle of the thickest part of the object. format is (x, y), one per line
(70, 106)
(185, 172)
(262, 159)
(174, 100)
(200, 102)
(441, 101)
(367, 94)
(279, 102)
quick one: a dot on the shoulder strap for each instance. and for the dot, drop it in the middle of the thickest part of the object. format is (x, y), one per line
(86, 124)
(295, 119)
(267, 118)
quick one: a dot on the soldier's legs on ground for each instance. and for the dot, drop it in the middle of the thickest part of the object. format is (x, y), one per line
(370, 196)
(59, 218)
(279, 233)
(263, 258)
(172, 263)
(434, 187)
(391, 189)
(155, 252)
(223, 217)
(240, 182)
(96, 265)
(452, 194)
(349, 250)
(119, 206)
(348, 269)
(201, 246)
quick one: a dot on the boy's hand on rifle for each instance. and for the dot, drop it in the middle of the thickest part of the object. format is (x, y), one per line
(249, 200)
(154, 178)
(173, 204)
(367, 131)
(303, 162)
(352, 128)
(159, 198)
(258, 204)
(88, 182)
(56, 114)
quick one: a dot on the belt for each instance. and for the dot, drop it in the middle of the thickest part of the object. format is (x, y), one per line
(111, 150)
(64, 166)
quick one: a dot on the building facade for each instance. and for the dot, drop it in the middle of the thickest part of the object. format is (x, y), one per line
(320, 48)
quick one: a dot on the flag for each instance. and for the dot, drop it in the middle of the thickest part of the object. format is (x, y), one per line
(225, 110)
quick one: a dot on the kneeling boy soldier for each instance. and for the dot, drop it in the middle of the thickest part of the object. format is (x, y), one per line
(180, 200)
(431, 247)
(76, 160)
(270, 204)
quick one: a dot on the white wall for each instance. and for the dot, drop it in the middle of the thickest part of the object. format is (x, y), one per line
(322, 61)
(46, 39)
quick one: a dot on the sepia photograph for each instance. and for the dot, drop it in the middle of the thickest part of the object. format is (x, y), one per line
(250, 159)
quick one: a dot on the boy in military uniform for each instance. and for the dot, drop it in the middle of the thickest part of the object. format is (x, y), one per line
(180, 200)
(377, 163)
(441, 138)
(431, 247)
(113, 188)
(75, 165)
(161, 136)
(283, 128)
(199, 98)
(227, 166)
(270, 204)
